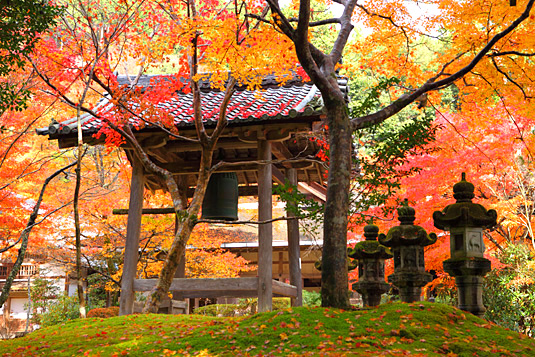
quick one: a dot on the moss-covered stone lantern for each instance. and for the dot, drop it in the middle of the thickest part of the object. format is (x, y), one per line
(371, 256)
(407, 242)
(465, 221)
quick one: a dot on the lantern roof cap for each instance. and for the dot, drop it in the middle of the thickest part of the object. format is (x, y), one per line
(407, 233)
(464, 212)
(370, 248)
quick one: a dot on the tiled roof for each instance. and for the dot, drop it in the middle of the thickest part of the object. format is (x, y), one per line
(273, 102)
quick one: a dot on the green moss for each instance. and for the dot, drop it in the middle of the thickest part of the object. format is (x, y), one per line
(227, 310)
(394, 328)
(370, 249)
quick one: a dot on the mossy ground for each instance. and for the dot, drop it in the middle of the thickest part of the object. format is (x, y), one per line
(394, 329)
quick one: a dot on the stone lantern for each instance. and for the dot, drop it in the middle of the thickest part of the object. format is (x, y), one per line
(407, 242)
(371, 257)
(465, 221)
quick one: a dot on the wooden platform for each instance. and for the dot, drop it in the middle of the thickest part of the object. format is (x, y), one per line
(218, 287)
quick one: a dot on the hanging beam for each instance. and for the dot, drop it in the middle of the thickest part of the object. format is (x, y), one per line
(133, 229)
(265, 232)
(164, 210)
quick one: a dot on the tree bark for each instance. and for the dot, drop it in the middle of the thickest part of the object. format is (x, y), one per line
(334, 277)
(186, 222)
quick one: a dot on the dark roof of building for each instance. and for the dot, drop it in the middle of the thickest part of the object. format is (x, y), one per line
(272, 101)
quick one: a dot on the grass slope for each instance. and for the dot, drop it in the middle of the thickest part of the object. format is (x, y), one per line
(394, 329)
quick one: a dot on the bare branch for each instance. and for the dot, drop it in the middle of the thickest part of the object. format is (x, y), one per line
(334, 20)
(509, 53)
(506, 75)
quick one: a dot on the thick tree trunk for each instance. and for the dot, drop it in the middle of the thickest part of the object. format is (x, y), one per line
(334, 277)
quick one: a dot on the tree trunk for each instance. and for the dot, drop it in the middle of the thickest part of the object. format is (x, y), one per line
(334, 277)
(186, 222)
(24, 237)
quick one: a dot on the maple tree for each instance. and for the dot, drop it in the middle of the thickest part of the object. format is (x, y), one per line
(487, 46)
(93, 39)
(493, 44)
(493, 144)
(24, 235)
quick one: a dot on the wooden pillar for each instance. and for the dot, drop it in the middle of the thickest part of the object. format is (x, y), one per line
(182, 182)
(265, 232)
(181, 269)
(7, 310)
(294, 249)
(133, 229)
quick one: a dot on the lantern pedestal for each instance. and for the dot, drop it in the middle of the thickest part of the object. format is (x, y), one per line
(371, 291)
(410, 284)
(469, 275)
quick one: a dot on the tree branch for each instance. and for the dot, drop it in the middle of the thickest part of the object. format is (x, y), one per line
(405, 100)
(25, 234)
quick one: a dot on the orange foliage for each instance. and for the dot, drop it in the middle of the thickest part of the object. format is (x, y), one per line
(493, 145)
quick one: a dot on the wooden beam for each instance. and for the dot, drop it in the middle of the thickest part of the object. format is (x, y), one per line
(286, 262)
(265, 231)
(294, 249)
(177, 146)
(282, 289)
(281, 152)
(164, 210)
(133, 229)
(218, 287)
(198, 284)
(273, 135)
(316, 190)
(190, 167)
(278, 176)
(281, 264)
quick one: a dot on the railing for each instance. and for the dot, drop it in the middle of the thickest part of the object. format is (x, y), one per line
(24, 272)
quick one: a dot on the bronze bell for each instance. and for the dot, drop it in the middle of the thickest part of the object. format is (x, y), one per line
(221, 197)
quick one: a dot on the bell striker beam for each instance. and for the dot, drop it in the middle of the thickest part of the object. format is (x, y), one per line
(133, 229)
(294, 250)
(265, 232)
